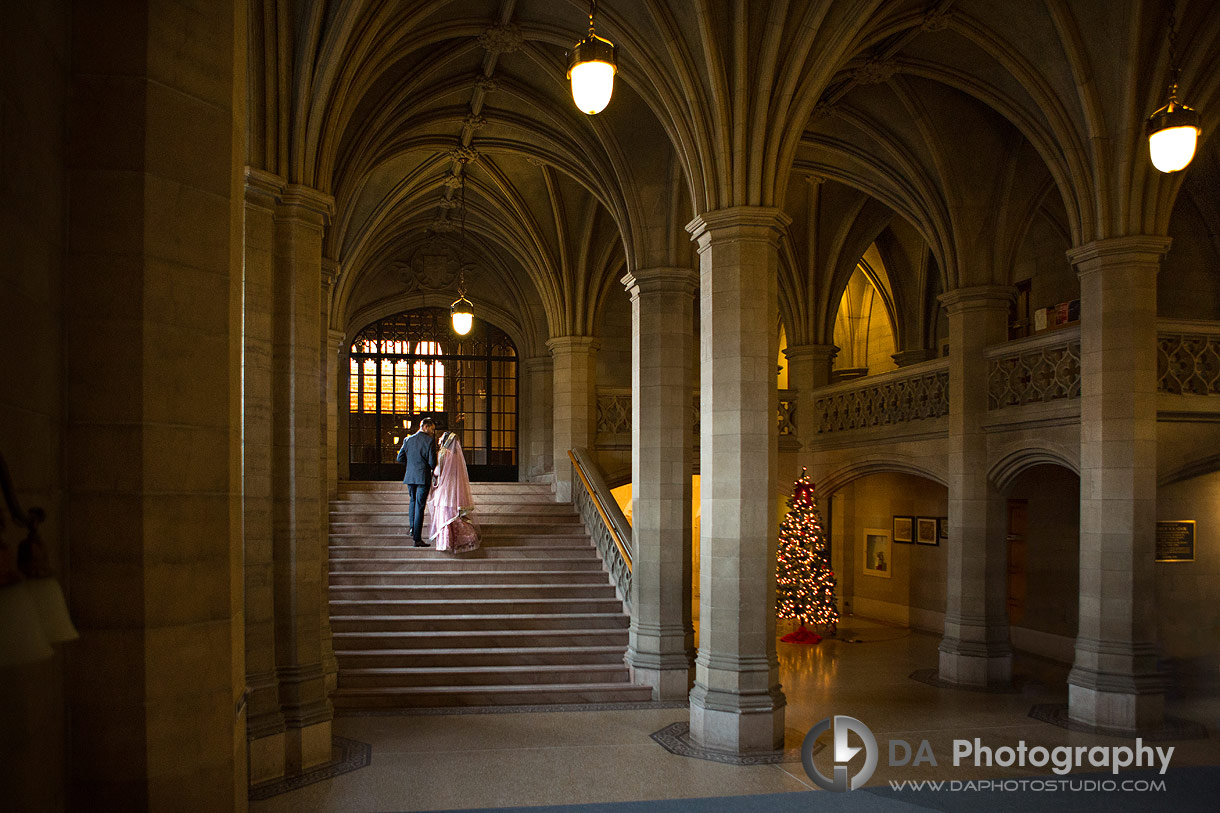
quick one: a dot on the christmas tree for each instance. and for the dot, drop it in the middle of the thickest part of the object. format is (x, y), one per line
(805, 583)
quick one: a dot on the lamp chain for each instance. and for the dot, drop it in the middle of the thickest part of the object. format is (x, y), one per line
(462, 239)
(592, 13)
(1173, 45)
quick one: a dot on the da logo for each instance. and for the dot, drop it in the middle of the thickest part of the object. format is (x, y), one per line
(843, 753)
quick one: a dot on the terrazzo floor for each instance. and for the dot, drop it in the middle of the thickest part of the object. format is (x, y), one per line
(443, 761)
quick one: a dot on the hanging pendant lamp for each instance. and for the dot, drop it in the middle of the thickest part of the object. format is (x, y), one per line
(591, 69)
(461, 312)
(1173, 131)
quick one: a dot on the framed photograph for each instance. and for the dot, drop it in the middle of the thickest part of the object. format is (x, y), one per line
(904, 529)
(926, 531)
(942, 528)
(877, 559)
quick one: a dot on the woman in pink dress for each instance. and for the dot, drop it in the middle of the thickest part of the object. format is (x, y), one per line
(451, 502)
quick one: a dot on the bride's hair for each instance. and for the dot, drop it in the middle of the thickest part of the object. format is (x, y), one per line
(447, 440)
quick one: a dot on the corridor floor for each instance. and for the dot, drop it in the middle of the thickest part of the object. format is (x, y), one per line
(473, 760)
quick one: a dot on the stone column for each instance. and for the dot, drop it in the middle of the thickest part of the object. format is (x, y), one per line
(736, 704)
(296, 474)
(151, 337)
(575, 404)
(1114, 682)
(662, 324)
(341, 414)
(264, 720)
(808, 370)
(537, 389)
(329, 481)
(974, 650)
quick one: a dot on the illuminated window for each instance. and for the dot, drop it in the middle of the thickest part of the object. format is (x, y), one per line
(429, 384)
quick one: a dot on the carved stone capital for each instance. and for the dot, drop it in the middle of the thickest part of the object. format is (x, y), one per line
(501, 39)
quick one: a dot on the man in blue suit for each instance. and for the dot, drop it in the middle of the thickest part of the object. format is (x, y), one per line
(419, 453)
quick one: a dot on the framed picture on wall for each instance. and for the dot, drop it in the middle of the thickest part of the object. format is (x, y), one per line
(904, 529)
(942, 528)
(926, 531)
(877, 559)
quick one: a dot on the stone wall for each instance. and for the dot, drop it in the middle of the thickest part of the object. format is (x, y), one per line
(915, 592)
(1188, 620)
(33, 109)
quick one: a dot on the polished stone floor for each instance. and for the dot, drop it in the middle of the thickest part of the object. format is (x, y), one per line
(432, 762)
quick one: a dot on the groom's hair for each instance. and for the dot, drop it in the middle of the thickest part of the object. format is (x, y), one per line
(426, 422)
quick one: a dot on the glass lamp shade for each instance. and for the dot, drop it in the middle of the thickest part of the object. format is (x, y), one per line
(591, 70)
(462, 315)
(22, 639)
(1173, 132)
(48, 600)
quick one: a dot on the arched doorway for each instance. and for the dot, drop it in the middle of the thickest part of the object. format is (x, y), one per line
(412, 365)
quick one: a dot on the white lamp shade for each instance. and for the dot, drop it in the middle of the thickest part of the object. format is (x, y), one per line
(592, 85)
(462, 322)
(48, 599)
(22, 639)
(1173, 148)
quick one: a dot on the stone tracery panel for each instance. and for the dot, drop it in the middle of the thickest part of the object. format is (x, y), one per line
(1035, 375)
(885, 403)
(1188, 363)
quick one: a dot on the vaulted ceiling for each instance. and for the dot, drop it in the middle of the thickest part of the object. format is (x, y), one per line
(958, 122)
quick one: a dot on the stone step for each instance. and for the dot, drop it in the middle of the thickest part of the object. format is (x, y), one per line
(540, 607)
(499, 526)
(406, 552)
(461, 563)
(493, 502)
(503, 695)
(360, 512)
(459, 622)
(489, 541)
(480, 656)
(471, 592)
(374, 522)
(489, 639)
(531, 674)
(355, 486)
(470, 578)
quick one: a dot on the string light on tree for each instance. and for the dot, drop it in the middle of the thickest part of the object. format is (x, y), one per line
(804, 580)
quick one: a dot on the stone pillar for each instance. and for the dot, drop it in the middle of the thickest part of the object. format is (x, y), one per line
(574, 410)
(974, 650)
(342, 406)
(329, 482)
(736, 704)
(536, 434)
(296, 473)
(662, 324)
(808, 370)
(264, 720)
(1114, 682)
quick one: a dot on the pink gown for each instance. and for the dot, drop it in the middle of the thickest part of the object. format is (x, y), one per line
(451, 502)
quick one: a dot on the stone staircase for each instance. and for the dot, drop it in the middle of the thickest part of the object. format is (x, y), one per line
(530, 618)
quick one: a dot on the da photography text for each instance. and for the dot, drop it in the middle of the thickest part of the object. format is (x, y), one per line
(1060, 760)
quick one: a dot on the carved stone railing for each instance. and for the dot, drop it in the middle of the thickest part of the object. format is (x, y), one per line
(613, 411)
(1038, 370)
(605, 521)
(1188, 357)
(614, 415)
(787, 413)
(914, 393)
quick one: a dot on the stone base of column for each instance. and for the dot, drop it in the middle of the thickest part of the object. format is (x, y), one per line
(266, 758)
(1116, 686)
(307, 747)
(330, 671)
(670, 675)
(908, 357)
(975, 663)
(739, 724)
(1117, 711)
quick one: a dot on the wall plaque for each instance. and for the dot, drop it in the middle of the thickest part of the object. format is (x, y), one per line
(1175, 541)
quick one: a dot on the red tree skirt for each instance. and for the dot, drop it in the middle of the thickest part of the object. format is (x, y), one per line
(802, 636)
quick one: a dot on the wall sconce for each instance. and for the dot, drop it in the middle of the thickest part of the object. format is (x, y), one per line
(1173, 131)
(591, 68)
(33, 613)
